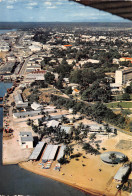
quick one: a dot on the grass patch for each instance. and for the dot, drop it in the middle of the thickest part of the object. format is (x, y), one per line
(122, 104)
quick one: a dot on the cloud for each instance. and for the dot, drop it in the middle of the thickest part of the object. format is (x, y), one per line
(47, 3)
(33, 4)
(10, 7)
(29, 7)
(51, 7)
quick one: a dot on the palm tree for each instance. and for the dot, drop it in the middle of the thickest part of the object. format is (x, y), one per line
(124, 159)
(112, 157)
(68, 150)
(108, 129)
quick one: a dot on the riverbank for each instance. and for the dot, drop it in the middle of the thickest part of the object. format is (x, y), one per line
(67, 182)
(87, 172)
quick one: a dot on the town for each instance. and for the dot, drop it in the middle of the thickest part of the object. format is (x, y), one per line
(68, 113)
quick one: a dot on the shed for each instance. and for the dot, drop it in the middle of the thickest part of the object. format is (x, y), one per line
(37, 151)
(47, 152)
(122, 173)
(53, 152)
(61, 152)
(50, 152)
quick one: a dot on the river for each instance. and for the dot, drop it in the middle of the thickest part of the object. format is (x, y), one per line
(2, 31)
(17, 181)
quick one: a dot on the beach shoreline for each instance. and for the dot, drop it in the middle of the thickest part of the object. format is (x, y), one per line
(74, 185)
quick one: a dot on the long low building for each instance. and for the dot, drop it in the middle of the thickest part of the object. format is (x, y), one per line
(27, 114)
(37, 151)
(122, 173)
(61, 152)
(19, 101)
(50, 152)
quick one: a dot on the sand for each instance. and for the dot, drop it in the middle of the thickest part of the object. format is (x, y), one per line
(87, 177)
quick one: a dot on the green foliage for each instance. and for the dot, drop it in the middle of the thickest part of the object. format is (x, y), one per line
(83, 77)
(97, 92)
(68, 90)
(49, 78)
(90, 149)
(126, 97)
(64, 68)
(39, 83)
(98, 111)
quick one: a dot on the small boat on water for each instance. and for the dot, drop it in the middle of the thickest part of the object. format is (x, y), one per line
(1, 98)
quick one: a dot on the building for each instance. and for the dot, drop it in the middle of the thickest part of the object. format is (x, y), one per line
(36, 106)
(50, 153)
(123, 76)
(122, 173)
(37, 151)
(26, 140)
(65, 128)
(61, 152)
(27, 114)
(53, 123)
(19, 101)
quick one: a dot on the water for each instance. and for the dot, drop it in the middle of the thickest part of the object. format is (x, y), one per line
(15, 180)
(2, 31)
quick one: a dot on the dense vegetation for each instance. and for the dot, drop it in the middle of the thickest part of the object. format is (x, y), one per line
(97, 112)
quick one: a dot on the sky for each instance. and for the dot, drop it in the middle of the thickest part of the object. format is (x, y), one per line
(51, 11)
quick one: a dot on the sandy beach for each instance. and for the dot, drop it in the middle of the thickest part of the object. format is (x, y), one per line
(85, 173)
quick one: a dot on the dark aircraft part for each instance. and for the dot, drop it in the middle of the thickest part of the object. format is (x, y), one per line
(119, 8)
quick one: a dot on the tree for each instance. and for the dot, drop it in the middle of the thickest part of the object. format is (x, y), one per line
(126, 97)
(68, 150)
(49, 78)
(112, 156)
(92, 136)
(108, 129)
(115, 131)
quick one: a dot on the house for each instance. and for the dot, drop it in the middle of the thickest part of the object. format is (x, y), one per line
(26, 140)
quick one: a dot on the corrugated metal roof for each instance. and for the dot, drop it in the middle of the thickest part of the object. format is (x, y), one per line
(61, 152)
(27, 139)
(120, 8)
(47, 152)
(37, 151)
(53, 152)
(50, 152)
(25, 133)
(123, 171)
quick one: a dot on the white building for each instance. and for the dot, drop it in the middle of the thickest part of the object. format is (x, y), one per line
(36, 106)
(19, 101)
(26, 140)
(123, 76)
